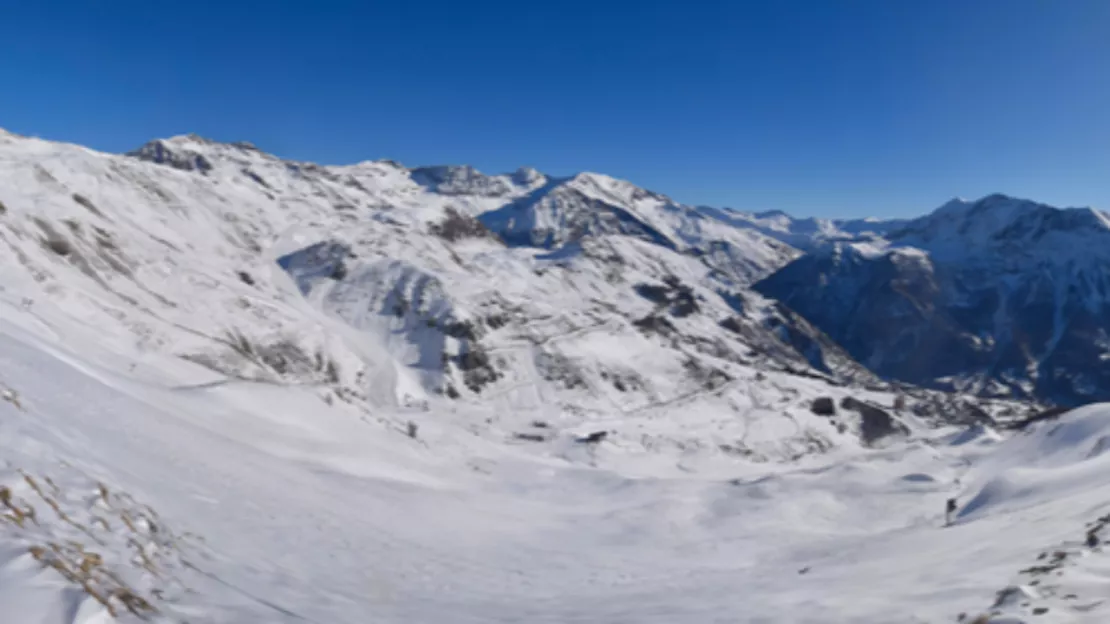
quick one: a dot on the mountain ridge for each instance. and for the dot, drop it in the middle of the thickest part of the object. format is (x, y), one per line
(584, 227)
(1012, 292)
(388, 294)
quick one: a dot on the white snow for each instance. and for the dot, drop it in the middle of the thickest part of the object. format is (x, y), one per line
(806, 233)
(1001, 225)
(304, 512)
(209, 447)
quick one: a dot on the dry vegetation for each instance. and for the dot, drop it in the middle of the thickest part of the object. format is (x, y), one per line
(456, 226)
(80, 543)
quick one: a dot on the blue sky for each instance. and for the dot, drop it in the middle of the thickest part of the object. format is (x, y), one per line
(823, 107)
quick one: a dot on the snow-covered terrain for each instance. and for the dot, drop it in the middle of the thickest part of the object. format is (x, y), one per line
(242, 389)
(805, 233)
(999, 297)
(258, 502)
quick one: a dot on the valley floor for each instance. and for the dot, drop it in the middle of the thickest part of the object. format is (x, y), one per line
(238, 502)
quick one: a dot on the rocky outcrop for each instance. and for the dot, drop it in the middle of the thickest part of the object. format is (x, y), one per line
(875, 422)
(823, 406)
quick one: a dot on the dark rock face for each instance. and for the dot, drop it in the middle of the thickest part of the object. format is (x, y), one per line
(594, 437)
(321, 260)
(823, 406)
(460, 180)
(1049, 414)
(579, 216)
(654, 325)
(879, 310)
(478, 370)
(674, 296)
(1038, 332)
(875, 422)
(185, 160)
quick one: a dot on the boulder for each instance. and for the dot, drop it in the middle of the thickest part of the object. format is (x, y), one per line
(875, 422)
(823, 406)
(594, 437)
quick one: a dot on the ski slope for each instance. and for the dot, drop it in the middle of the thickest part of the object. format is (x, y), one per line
(273, 506)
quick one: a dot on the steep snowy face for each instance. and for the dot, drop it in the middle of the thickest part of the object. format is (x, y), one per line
(524, 208)
(999, 296)
(1020, 229)
(565, 211)
(450, 180)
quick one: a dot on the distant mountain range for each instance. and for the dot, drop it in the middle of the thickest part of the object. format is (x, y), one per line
(453, 271)
(1000, 296)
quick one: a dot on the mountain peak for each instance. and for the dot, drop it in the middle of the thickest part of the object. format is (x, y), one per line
(466, 180)
(191, 136)
(196, 143)
(771, 214)
(1000, 219)
(180, 152)
(992, 201)
(526, 175)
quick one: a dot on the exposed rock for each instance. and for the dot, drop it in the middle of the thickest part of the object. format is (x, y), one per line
(823, 406)
(654, 293)
(1051, 413)
(652, 324)
(875, 422)
(929, 309)
(456, 226)
(556, 367)
(674, 296)
(707, 377)
(160, 153)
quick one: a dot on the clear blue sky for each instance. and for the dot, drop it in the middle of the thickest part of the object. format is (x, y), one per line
(823, 107)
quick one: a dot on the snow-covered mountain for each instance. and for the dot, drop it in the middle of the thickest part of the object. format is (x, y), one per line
(393, 287)
(423, 283)
(999, 296)
(237, 388)
(804, 233)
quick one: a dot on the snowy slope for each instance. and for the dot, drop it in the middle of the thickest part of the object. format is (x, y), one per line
(563, 211)
(271, 506)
